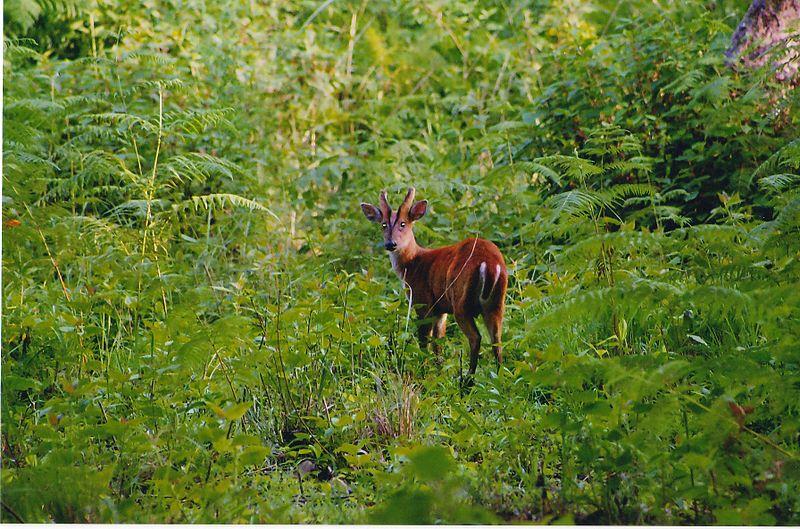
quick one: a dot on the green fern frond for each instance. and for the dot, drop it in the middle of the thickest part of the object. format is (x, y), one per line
(620, 240)
(673, 194)
(617, 194)
(583, 203)
(84, 101)
(20, 48)
(138, 207)
(708, 297)
(778, 182)
(98, 173)
(143, 86)
(611, 141)
(787, 157)
(22, 134)
(786, 225)
(88, 134)
(42, 106)
(576, 203)
(219, 200)
(94, 224)
(572, 167)
(628, 295)
(528, 168)
(199, 166)
(150, 58)
(125, 121)
(637, 164)
(723, 233)
(14, 150)
(197, 121)
(685, 82)
(714, 92)
(654, 287)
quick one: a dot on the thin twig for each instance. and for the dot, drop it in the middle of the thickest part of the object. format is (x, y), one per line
(151, 187)
(757, 435)
(316, 12)
(47, 249)
(410, 298)
(454, 279)
(11, 512)
(766, 440)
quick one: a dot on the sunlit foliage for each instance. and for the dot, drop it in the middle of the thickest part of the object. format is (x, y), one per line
(199, 325)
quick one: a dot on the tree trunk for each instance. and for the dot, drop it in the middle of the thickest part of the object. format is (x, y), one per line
(768, 32)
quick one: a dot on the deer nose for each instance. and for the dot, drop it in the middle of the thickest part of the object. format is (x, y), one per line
(391, 245)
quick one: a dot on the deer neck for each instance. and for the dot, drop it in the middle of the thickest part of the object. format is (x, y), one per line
(404, 259)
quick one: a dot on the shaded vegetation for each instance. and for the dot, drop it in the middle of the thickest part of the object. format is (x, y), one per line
(199, 325)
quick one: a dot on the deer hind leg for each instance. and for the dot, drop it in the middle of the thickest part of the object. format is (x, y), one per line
(424, 331)
(470, 330)
(494, 324)
(439, 327)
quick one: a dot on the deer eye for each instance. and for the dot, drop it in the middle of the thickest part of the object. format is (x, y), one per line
(402, 224)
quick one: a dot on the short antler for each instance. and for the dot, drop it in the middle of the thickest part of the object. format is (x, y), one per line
(408, 201)
(386, 210)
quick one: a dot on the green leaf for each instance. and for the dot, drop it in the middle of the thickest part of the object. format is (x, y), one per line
(431, 462)
(233, 412)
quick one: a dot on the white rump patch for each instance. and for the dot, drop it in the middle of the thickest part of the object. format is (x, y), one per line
(483, 283)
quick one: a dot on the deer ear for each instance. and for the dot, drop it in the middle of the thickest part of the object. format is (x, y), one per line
(371, 212)
(418, 210)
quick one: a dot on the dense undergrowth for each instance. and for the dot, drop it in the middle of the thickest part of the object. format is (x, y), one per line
(198, 324)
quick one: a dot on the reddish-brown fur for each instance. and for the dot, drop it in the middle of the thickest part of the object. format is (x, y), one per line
(467, 279)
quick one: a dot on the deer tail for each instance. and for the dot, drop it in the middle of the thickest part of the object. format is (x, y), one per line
(483, 295)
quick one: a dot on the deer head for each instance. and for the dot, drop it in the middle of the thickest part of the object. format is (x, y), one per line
(397, 226)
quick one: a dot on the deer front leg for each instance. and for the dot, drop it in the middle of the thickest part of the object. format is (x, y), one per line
(470, 330)
(439, 328)
(494, 324)
(424, 331)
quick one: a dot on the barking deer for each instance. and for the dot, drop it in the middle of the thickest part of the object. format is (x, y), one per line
(467, 279)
